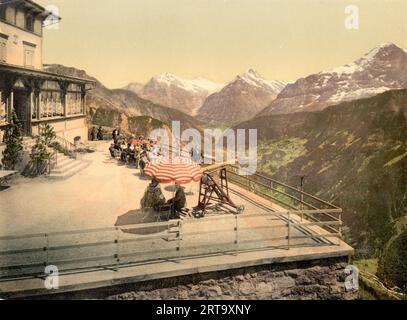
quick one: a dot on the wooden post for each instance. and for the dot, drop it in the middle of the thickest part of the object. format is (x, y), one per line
(11, 108)
(64, 93)
(84, 102)
(29, 111)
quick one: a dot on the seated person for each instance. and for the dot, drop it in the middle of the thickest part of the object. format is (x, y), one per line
(100, 133)
(117, 145)
(123, 156)
(131, 154)
(179, 201)
(112, 151)
(153, 197)
(126, 153)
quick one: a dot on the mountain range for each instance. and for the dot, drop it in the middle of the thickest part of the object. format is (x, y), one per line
(172, 91)
(168, 97)
(383, 68)
(121, 108)
(248, 95)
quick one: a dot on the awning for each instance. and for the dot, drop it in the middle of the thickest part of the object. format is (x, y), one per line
(40, 74)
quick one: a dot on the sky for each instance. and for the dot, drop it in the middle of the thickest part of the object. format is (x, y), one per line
(123, 41)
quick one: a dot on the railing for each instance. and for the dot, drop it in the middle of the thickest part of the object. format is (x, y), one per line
(52, 162)
(115, 247)
(286, 196)
(67, 146)
(300, 220)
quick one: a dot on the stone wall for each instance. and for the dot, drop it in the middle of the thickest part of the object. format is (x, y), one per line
(314, 280)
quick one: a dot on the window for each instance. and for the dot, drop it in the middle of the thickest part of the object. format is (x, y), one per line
(29, 22)
(3, 49)
(28, 56)
(2, 11)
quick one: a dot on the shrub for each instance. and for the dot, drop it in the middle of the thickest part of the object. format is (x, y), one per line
(12, 155)
(393, 262)
(39, 157)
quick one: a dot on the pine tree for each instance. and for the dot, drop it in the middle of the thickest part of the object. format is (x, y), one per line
(14, 144)
(47, 134)
(39, 157)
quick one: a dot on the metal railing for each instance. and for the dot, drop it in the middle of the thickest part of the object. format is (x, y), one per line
(288, 197)
(115, 247)
(300, 220)
(67, 146)
(52, 161)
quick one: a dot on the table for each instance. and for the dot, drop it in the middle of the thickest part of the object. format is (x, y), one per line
(5, 174)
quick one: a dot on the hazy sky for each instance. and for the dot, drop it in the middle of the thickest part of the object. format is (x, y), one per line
(121, 41)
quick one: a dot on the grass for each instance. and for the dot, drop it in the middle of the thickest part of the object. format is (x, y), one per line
(279, 153)
(370, 266)
(367, 265)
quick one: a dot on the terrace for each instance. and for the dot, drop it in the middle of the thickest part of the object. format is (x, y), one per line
(116, 244)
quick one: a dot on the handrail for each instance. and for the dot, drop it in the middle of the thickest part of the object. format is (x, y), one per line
(69, 146)
(106, 251)
(289, 187)
(271, 180)
(101, 251)
(325, 213)
(52, 161)
(87, 231)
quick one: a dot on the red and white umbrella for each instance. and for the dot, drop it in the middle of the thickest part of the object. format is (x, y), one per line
(177, 170)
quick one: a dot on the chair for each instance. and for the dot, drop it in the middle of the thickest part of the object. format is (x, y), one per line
(164, 212)
(184, 213)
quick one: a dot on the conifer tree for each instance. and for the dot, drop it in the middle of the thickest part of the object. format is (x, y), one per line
(14, 144)
(39, 157)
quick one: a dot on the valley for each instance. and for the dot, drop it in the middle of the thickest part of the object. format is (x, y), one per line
(353, 154)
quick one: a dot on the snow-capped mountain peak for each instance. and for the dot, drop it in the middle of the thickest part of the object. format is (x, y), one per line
(385, 51)
(240, 99)
(381, 69)
(198, 85)
(253, 78)
(175, 92)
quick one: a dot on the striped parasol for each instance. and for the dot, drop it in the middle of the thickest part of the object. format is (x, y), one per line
(178, 170)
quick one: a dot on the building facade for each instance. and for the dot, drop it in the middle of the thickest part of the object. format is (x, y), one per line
(35, 95)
